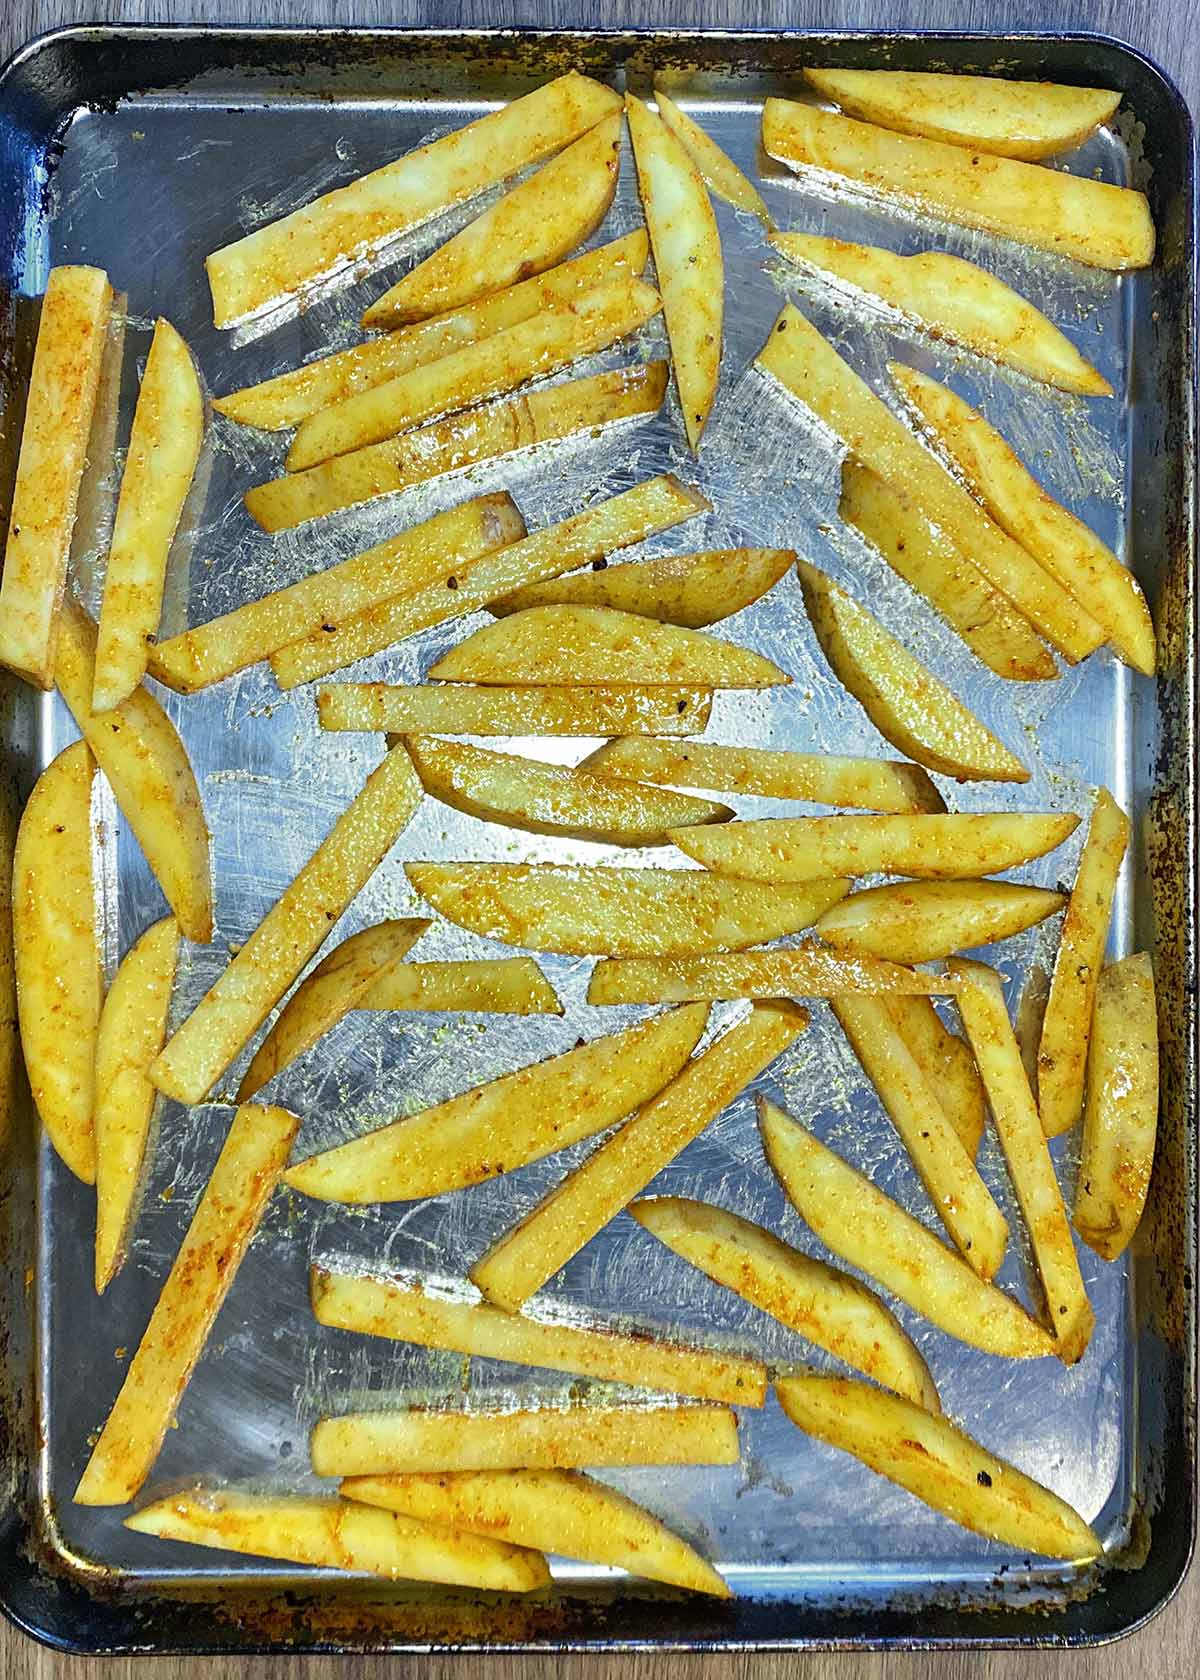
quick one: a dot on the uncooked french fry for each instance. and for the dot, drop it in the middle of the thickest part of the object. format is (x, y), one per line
(593, 1193)
(221, 1230)
(718, 171)
(508, 1122)
(493, 985)
(694, 590)
(808, 970)
(948, 1066)
(1121, 1116)
(454, 1318)
(916, 921)
(1062, 1051)
(288, 935)
(54, 440)
(461, 710)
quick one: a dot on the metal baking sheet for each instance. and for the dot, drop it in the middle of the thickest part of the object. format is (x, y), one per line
(142, 150)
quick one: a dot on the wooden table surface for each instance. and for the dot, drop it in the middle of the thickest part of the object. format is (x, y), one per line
(1169, 31)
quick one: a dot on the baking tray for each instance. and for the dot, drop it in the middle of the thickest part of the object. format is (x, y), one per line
(142, 149)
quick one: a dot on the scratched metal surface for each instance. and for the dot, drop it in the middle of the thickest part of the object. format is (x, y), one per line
(146, 189)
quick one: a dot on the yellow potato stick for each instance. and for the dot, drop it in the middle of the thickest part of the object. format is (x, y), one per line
(1121, 1116)
(917, 921)
(807, 970)
(498, 985)
(948, 1066)
(459, 709)
(717, 169)
(694, 590)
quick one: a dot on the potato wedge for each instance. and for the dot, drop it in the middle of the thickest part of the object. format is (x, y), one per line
(929, 561)
(957, 301)
(510, 1121)
(576, 407)
(903, 699)
(164, 447)
(808, 366)
(960, 1198)
(551, 1437)
(56, 947)
(1014, 1113)
(832, 1309)
(938, 846)
(655, 505)
(597, 709)
(687, 260)
(133, 1026)
(526, 232)
(1029, 120)
(493, 366)
(866, 1228)
(336, 985)
(1064, 545)
(916, 921)
(200, 1050)
(1120, 1119)
(63, 383)
(456, 1319)
(1062, 1050)
(593, 1193)
(591, 910)
(559, 1511)
(694, 590)
(1067, 215)
(939, 1463)
(948, 1066)
(717, 169)
(808, 970)
(553, 798)
(599, 644)
(353, 225)
(336, 1534)
(222, 1228)
(424, 555)
(869, 784)
(492, 985)
(146, 764)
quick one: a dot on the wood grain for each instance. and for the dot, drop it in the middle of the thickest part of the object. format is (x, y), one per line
(1167, 30)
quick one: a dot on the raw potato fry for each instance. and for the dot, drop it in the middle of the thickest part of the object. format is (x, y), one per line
(288, 935)
(933, 564)
(560, 1511)
(933, 1459)
(1028, 120)
(133, 1026)
(552, 798)
(1067, 215)
(1121, 1116)
(546, 1438)
(869, 784)
(335, 987)
(58, 419)
(957, 301)
(1015, 1116)
(424, 555)
(508, 1122)
(808, 366)
(492, 367)
(867, 1229)
(718, 171)
(409, 1311)
(517, 1266)
(496, 985)
(916, 921)
(903, 699)
(808, 970)
(336, 1534)
(832, 1309)
(1062, 1051)
(1064, 545)
(354, 224)
(694, 590)
(941, 845)
(599, 644)
(960, 1198)
(648, 508)
(146, 764)
(461, 440)
(461, 710)
(164, 447)
(948, 1066)
(279, 403)
(527, 231)
(222, 1228)
(56, 944)
(591, 910)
